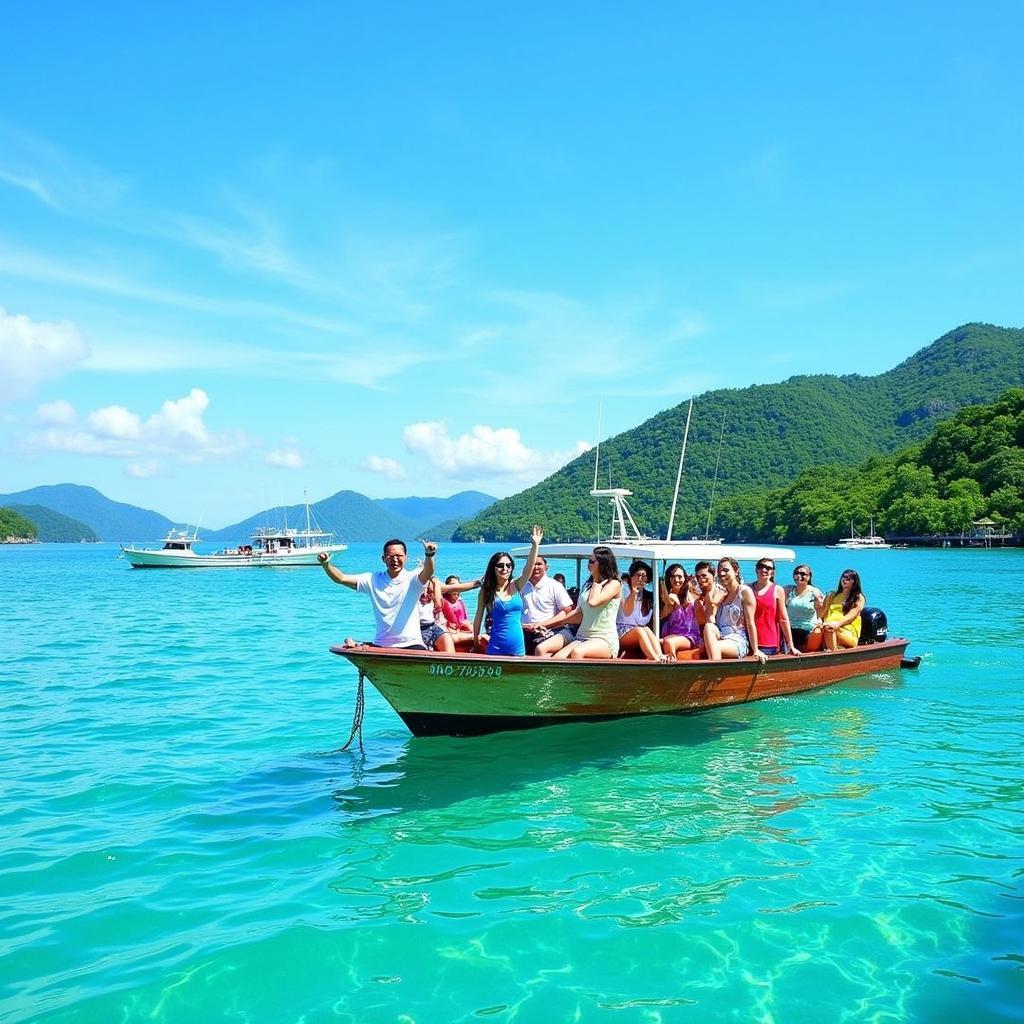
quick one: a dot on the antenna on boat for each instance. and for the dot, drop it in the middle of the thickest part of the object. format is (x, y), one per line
(714, 484)
(597, 463)
(679, 473)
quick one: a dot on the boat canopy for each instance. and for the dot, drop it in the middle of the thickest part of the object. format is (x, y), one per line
(688, 551)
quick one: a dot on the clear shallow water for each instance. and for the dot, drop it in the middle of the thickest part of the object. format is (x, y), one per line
(180, 839)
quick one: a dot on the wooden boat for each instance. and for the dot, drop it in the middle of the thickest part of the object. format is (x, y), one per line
(439, 694)
(464, 694)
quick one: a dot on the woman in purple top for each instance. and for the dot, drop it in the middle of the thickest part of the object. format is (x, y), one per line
(679, 629)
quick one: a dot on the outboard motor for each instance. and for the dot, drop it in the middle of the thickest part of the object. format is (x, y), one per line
(874, 627)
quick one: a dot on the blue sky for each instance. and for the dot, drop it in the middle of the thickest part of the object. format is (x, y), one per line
(409, 249)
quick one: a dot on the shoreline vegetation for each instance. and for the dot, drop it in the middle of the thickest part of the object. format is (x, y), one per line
(36, 524)
(16, 529)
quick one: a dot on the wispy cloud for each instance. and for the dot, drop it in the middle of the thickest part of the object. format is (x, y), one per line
(31, 185)
(22, 263)
(390, 468)
(284, 459)
(55, 177)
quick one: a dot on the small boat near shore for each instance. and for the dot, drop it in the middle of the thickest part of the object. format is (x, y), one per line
(872, 542)
(271, 547)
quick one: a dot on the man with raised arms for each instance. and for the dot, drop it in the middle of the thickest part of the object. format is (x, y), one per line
(543, 599)
(394, 593)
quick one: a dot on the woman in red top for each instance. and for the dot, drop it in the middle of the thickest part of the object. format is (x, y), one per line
(770, 615)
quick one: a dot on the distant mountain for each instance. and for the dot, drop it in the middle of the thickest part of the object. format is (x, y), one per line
(109, 520)
(763, 436)
(53, 527)
(349, 515)
(428, 512)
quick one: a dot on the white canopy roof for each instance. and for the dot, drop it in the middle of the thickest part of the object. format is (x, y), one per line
(687, 551)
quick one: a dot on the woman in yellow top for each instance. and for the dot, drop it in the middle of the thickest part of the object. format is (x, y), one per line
(840, 611)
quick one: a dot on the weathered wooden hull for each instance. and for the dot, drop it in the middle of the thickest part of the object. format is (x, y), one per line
(472, 694)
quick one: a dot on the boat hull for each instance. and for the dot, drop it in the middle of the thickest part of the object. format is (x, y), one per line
(471, 694)
(143, 559)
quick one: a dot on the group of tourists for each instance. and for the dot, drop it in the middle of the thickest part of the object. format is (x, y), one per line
(710, 613)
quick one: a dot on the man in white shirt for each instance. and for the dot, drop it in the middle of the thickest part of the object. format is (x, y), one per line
(394, 593)
(543, 599)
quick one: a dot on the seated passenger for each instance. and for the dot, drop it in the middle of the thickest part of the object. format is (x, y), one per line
(730, 631)
(636, 610)
(453, 609)
(543, 599)
(435, 636)
(840, 612)
(770, 611)
(801, 605)
(595, 610)
(501, 596)
(679, 629)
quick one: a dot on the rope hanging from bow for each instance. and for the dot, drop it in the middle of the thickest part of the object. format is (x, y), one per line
(357, 717)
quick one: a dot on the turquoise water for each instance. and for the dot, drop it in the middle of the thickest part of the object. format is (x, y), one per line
(181, 840)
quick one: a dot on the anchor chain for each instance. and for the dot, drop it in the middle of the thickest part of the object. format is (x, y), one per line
(357, 717)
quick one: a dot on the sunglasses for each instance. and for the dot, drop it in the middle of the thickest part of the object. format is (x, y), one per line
(766, 568)
(591, 561)
(803, 574)
(847, 576)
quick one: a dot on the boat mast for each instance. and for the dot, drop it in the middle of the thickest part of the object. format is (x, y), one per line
(714, 484)
(597, 463)
(679, 473)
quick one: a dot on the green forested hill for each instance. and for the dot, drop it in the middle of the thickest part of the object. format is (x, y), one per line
(771, 433)
(15, 526)
(971, 466)
(55, 528)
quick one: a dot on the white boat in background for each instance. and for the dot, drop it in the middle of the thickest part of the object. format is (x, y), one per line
(872, 542)
(270, 547)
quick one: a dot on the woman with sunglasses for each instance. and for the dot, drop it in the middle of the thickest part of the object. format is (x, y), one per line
(730, 631)
(636, 609)
(501, 598)
(840, 612)
(802, 607)
(770, 615)
(679, 629)
(595, 610)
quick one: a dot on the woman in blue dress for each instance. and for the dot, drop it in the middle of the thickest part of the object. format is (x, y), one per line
(501, 598)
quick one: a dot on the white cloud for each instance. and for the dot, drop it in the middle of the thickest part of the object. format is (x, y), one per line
(60, 413)
(115, 421)
(484, 450)
(387, 467)
(142, 470)
(182, 417)
(177, 430)
(284, 459)
(33, 351)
